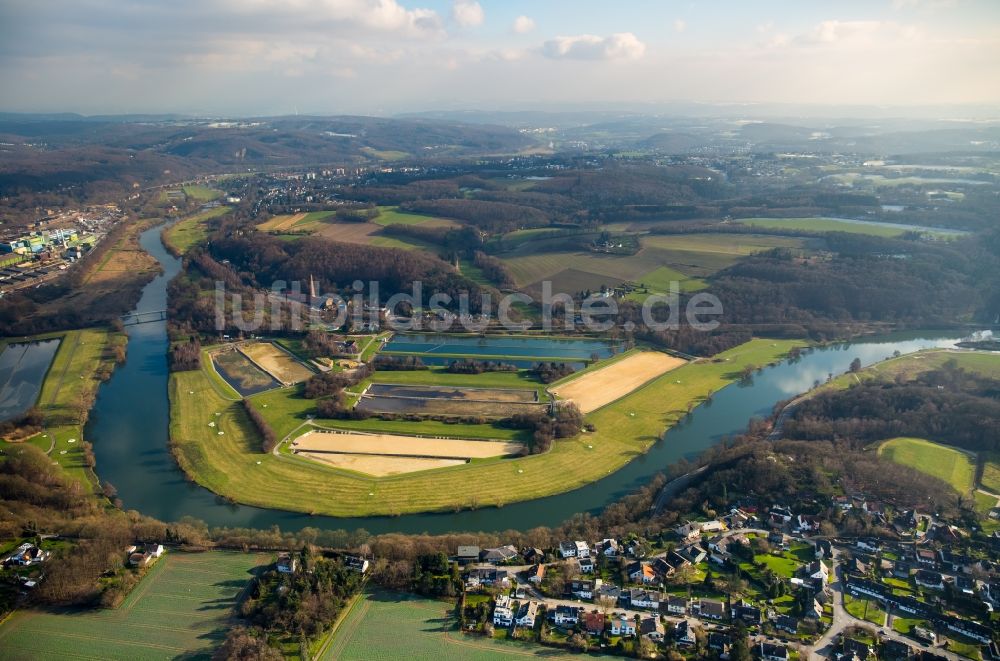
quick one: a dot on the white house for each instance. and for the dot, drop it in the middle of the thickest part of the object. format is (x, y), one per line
(526, 614)
(565, 615)
(574, 549)
(621, 625)
(503, 615)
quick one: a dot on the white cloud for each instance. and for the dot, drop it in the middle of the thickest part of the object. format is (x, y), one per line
(620, 46)
(680, 25)
(923, 4)
(523, 24)
(467, 13)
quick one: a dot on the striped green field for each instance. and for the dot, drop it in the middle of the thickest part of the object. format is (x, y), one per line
(385, 626)
(393, 216)
(824, 225)
(991, 472)
(233, 465)
(181, 609)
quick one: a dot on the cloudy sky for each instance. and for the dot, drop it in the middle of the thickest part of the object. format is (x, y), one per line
(251, 57)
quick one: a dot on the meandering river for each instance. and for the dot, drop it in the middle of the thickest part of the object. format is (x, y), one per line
(129, 429)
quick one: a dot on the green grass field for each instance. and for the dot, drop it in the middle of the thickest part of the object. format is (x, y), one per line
(393, 216)
(863, 609)
(233, 465)
(440, 376)
(953, 466)
(202, 193)
(661, 258)
(181, 609)
(385, 626)
(991, 473)
(823, 225)
(185, 234)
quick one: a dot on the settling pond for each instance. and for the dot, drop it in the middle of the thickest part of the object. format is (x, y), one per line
(23, 367)
(131, 417)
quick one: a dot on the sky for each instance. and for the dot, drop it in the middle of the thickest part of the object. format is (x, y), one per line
(271, 57)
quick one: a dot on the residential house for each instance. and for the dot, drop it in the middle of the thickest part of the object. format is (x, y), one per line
(286, 563)
(498, 555)
(894, 650)
(965, 585)
(503, 613)
(650, 627)
(860, 649)
(585, 588)
(684, 634)
(720, 643)
(925, 557)
(955, 562)
(487, 577)
(824, 549)
(639, 598)
(526, 614)
(144, 554)
(593, 623)
(676, 561)
(467, 554)
(869, 545)
(749, 614)
(806, 523)
(901, 570)
(929, 579)
(689, 532)
(817, 571)
(567, 615)
(609, 548)
(641, 572)
(677, 605)
(27, 554)
(622, 625)
(978, 632)
(574, 549)
(356, 563)
(609, 593)
(786, 623)
(532, 555)
(693, 553)
(536, 573)
(772, 652)
(710, 609)
(779, 515)
(777, 539)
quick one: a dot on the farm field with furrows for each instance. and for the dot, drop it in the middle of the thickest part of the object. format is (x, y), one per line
(181, 609)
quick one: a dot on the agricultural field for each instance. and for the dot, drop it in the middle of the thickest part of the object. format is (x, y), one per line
(596, 388)
(241, 373)
(421, 629)
(185, 234)
(662, 258)
(833, 225)
(435, 400)
(910, 365)
(954, 466)
(233, 465)
(440, 376)
(393, 216)
(276, 362)
(181, 609)
(296, 221)
(385, 454)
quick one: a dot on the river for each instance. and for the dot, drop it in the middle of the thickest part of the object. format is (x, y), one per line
(129, 430)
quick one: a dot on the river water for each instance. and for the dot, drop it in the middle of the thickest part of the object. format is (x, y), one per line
(129, 429)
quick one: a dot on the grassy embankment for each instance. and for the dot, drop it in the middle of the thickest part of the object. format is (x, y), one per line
(232, 464)
(185, 234)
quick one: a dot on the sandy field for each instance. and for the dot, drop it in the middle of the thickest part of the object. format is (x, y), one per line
(279, 223)
(276, 362)
(594, 389)
(348, 232)
(380, 465)
(402, 446)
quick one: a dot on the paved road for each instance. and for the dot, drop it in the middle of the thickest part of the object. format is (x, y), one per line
(842, 619)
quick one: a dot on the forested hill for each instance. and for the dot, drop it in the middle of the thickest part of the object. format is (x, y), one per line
(949, 405)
